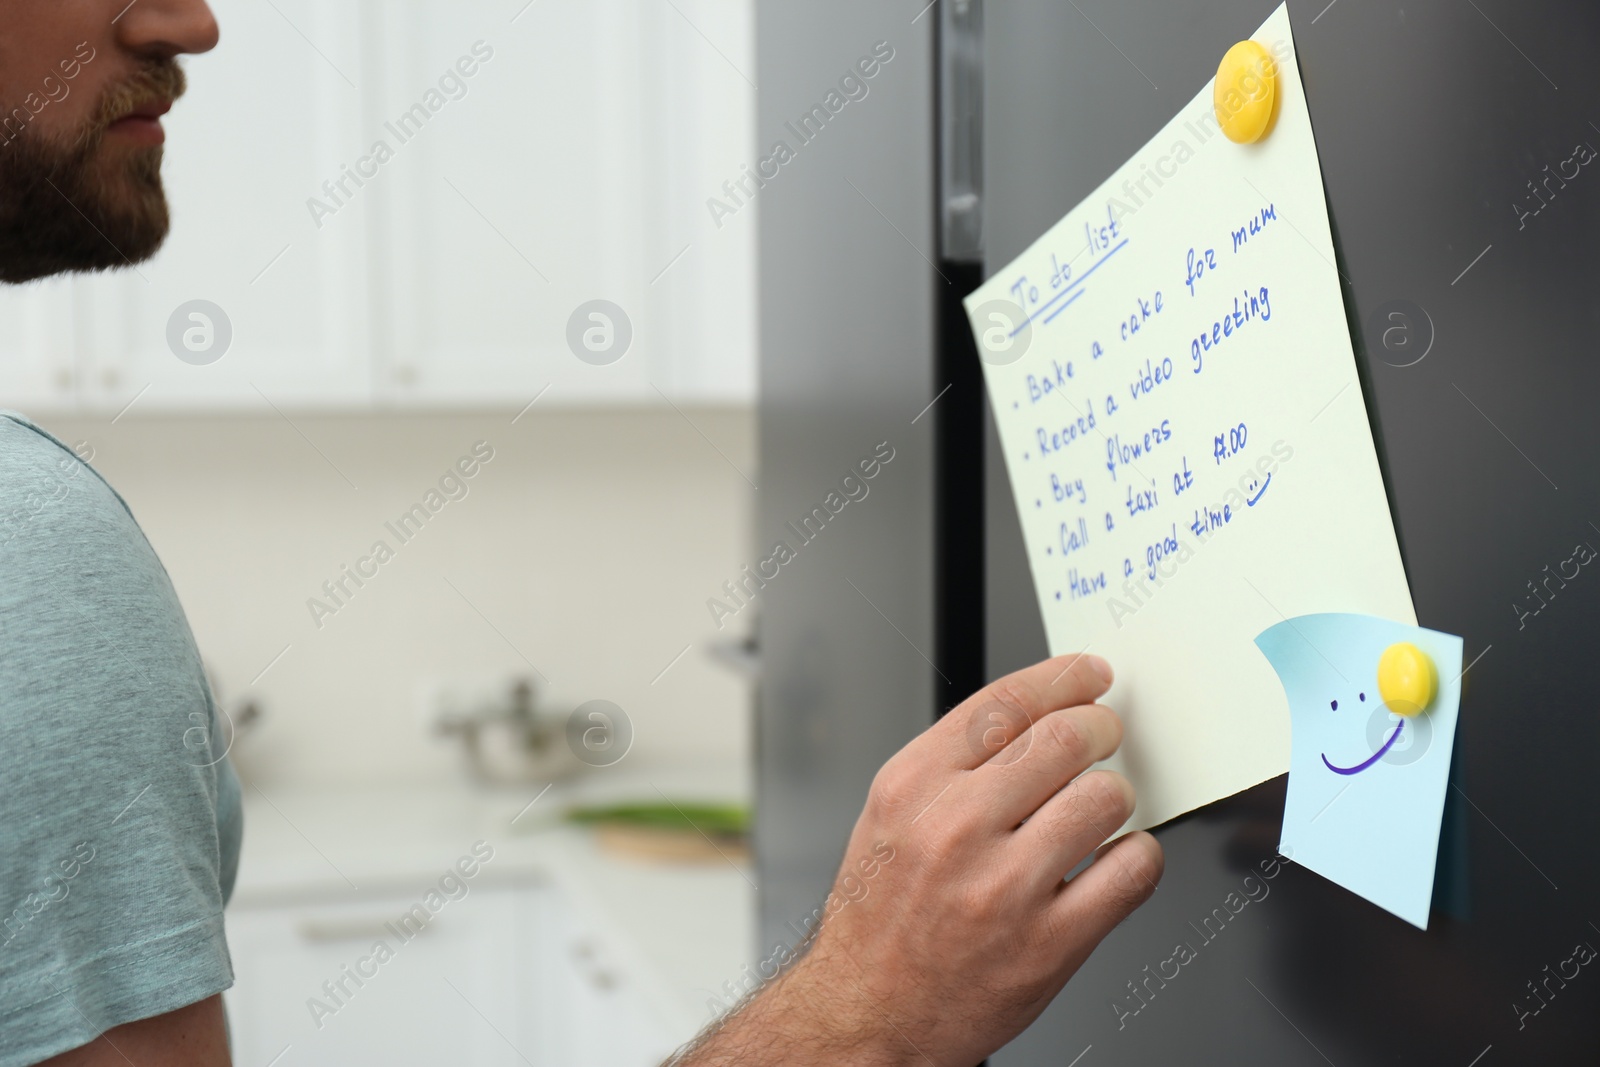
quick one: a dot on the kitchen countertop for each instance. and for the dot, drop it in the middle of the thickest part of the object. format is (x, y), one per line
(682, 929)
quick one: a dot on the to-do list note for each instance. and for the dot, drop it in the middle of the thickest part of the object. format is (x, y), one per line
(1176, 394)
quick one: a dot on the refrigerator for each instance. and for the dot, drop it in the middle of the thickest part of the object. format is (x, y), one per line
(1439, 126)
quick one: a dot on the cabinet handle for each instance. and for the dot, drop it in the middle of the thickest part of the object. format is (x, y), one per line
(586, 954)
(326, 931)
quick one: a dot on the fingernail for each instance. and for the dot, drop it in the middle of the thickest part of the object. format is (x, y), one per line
(1101, 667)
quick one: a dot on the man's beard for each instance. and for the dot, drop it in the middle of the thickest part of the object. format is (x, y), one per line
(77, 207)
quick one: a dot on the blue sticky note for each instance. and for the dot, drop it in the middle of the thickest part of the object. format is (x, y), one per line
(1366, 786)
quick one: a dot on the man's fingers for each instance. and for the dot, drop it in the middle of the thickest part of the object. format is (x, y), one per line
(984, 725)
(1072, 824)
(1000, 713)
(1104, 893)
(1035, 767)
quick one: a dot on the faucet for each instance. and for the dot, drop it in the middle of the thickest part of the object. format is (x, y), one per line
(536, 737)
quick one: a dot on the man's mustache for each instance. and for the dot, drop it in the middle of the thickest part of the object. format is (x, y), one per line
(158, 81)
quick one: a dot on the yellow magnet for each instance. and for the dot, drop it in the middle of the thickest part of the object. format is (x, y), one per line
(1247, 82)
(1406, 679)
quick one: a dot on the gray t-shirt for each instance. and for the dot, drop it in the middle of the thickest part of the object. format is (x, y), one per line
(119, 813)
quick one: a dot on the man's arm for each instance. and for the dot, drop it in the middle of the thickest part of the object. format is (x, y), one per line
(119, 819)
(950, 927)
(195, 1036)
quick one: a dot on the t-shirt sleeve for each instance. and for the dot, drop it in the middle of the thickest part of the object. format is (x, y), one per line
(110, 778)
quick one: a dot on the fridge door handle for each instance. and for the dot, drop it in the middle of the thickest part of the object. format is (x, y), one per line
(961, 131)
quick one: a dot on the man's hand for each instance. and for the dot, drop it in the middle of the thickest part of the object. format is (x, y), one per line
(951, 928)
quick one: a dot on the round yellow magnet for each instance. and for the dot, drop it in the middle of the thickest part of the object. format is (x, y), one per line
(1406, 678)
(1247, 82)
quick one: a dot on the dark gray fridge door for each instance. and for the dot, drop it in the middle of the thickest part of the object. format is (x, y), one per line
(1439, 124)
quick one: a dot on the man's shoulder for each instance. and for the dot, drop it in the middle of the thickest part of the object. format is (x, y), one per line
(23, 440)
(85, 594)
(52, 501)
(26, 447)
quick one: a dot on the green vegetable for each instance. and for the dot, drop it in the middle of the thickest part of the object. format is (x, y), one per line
(707, 818)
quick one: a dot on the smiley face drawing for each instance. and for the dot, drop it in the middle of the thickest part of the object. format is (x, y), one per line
(1372, 713)
(1393, 736)
(1370, 760)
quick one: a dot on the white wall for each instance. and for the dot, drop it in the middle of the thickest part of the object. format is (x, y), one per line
(591, 542)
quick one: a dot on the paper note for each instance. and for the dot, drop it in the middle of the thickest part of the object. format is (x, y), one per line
(1172, 378)
(1366, 786)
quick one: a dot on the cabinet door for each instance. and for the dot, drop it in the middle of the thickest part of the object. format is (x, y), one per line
(605, 1017)
(507, 206)
(701, 198)
(38, 370)
(271, 115)
(451, 994)
(570, 166)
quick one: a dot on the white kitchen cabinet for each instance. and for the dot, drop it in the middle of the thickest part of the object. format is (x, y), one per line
(513, 205)
(268, 118)
(449, 995)
(38, 346)
(605, 1017)
(508, 975)
(573, 163)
